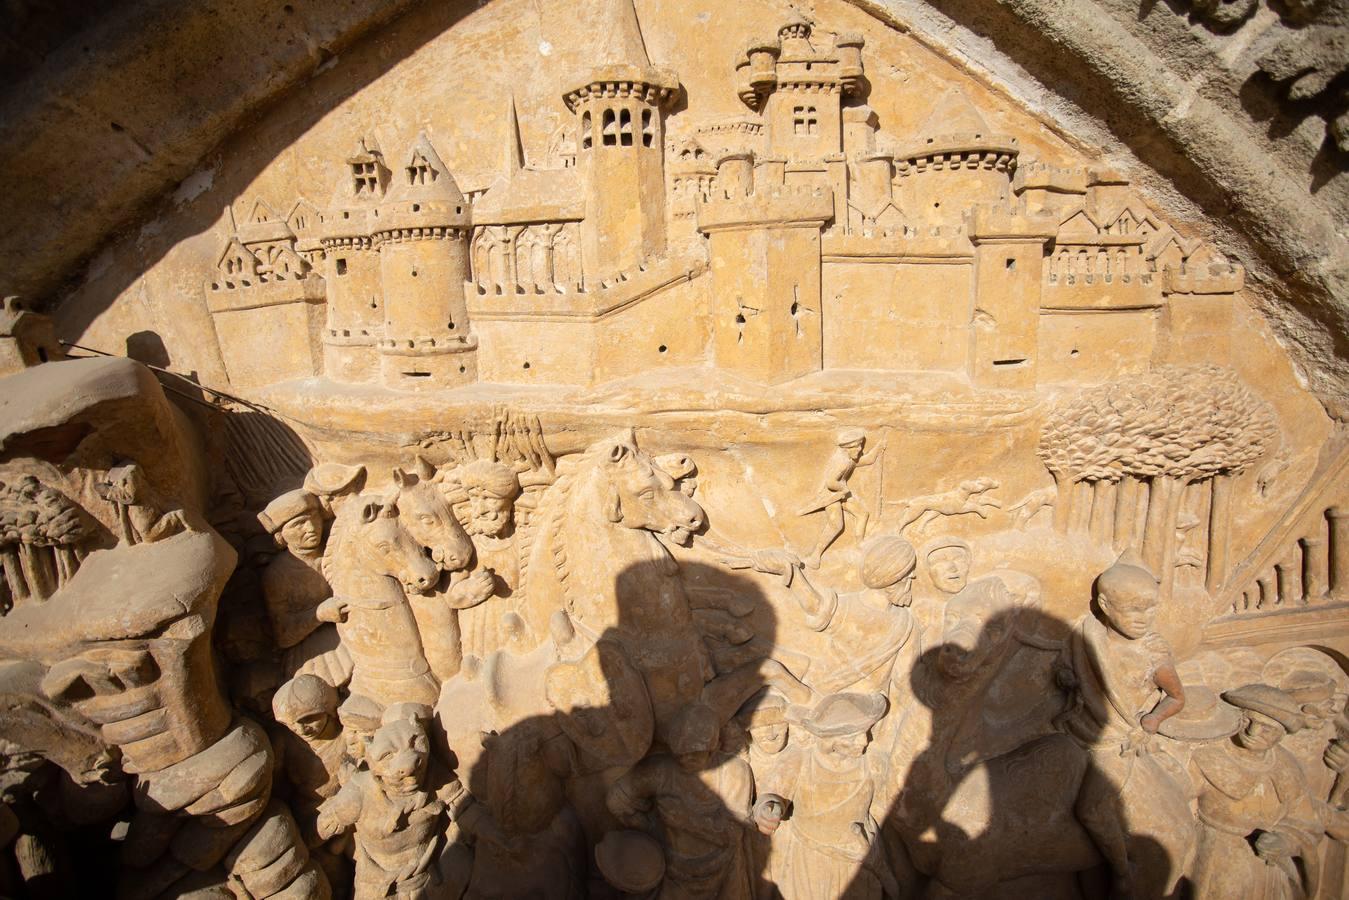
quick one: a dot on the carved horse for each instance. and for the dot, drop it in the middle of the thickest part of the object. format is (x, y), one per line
(970, 820)
(373, 562)
(425, 512)
(600, 554)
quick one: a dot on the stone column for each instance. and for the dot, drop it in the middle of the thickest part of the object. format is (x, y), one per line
(1315, 562)
(1339, 552)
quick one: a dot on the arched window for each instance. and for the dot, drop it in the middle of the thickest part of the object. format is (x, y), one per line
(625, 127)
(648, 128)
(585, 131)
(609, 129)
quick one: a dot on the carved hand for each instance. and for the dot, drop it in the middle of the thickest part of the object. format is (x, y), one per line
(334, 609)
(1272, 846)
(473, 590)
(1150, 722)
(1337, 756)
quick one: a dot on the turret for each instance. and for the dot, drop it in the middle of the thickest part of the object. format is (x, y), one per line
(421, 232)
(620, 109)
(355, 317)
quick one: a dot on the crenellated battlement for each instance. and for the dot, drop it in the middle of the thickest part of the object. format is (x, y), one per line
(1218, 278)
(999, 221)
(586, 300)
(766, 206)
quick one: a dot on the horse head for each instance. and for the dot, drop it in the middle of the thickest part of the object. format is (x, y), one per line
(982, 620)
(425, 512)
(379, 544)
(638, 494)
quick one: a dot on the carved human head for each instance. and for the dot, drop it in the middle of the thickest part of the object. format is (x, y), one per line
(888, 565)
(693, 735)
(765, 719)
(1127, 596)
(294, 520)
(1310, 677)
(948, 562)
(841, 723)
(492, 488)
(360, 717)
(851, 441)
(1269, 715)
(400, 749)
(307, 705)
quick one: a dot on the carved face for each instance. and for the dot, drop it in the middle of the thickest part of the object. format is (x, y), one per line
(389, 549)
(977, 626)
(398, 755)
(1130, 609)
(487, 514)
(844, 747)
(1259, 732)
(426, 514)
(901, 592)
(643, 496)
(949, 568)
(303, 533)
(770, 738)
(313, 724)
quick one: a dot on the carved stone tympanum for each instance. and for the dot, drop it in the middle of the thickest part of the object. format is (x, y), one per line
(629, 449)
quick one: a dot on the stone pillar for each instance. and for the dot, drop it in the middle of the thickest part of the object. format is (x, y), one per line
(1339, 552)
(1315, 562)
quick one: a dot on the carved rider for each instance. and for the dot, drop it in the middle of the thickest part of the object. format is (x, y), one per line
(292, 585)
(834, 498)
(1119, 666)
(491, 489)
(699, 799)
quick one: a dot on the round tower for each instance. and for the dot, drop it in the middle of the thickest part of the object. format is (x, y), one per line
(421, 231)
(351, 275)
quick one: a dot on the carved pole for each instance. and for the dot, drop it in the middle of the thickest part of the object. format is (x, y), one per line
(1219, 526)
(1339, 552)
(1288, 571)
(37, 571)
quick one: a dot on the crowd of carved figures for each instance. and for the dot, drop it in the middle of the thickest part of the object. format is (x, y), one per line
(502, 674)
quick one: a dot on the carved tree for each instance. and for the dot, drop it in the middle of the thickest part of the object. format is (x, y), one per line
(1123, 454)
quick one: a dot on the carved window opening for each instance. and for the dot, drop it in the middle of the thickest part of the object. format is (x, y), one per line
(341, 266)
(365, 178)
(625, 127)
(586, 137)
(421, 171)
(805, 120)
(648, 128)
(609, 129)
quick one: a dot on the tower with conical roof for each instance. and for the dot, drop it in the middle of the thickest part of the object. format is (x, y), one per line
(421, 232)
(355, 317)
(955, 161)
(620, 108)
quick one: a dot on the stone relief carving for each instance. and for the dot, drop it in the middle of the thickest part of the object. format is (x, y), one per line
(642, 516)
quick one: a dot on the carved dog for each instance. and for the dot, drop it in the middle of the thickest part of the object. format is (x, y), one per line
(967, 497)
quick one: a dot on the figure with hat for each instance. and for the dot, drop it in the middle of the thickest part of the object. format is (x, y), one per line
(946, 563)
(292, 584)
(871, 639)
(698, 801)
(1117, 668)
(1258, 829)
(835, 498)
(828, 845)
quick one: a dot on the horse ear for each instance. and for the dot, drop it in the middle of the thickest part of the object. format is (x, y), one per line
(371, 511)
(614, 508)
(617, 452)
(401, 478)
(425, 470)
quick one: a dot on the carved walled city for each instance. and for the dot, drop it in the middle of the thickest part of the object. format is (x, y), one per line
(637, 449)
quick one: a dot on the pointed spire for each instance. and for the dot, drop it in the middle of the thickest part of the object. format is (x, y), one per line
(513, 159)
(954, 114)
(621, 35)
